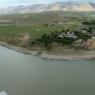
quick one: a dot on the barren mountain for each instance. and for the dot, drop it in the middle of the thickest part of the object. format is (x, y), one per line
(59, 6)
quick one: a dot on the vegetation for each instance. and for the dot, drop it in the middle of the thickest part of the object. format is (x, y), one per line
(47, 29)
(63, 38)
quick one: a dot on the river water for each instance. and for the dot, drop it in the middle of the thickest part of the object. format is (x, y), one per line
(22, 74)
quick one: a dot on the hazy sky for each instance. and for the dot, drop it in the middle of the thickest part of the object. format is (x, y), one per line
(5, 3)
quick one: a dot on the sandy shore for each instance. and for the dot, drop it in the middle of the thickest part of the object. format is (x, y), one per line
(88, 55)
(85, 55)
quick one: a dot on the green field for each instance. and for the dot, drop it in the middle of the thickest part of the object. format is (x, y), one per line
(11, 26)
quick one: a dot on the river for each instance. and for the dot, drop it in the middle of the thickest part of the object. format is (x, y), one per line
(22, 74)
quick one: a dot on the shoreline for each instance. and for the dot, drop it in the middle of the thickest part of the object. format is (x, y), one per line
(87, 55)
(18, 49)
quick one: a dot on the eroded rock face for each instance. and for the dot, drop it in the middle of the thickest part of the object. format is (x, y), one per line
(91, 43)
(24, 39)
(78, 43)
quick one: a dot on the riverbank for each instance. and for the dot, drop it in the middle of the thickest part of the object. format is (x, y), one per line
(84, 55)
(18, 49)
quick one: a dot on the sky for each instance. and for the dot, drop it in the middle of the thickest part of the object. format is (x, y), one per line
(6, 3)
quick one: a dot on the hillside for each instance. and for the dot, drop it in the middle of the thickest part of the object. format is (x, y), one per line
(59, 6)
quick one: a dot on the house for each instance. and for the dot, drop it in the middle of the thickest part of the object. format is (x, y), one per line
(68, 35)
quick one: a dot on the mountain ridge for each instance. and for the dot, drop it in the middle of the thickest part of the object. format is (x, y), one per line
(57, 6)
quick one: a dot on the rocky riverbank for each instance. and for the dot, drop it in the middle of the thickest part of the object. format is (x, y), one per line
(18, 49)
(78, 56)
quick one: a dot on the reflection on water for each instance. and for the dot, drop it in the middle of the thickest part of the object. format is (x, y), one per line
(3, 93)
(22, 74)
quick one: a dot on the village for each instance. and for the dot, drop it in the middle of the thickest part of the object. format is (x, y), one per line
(85, 38)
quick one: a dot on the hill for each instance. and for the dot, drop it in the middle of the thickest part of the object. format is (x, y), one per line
(59, 6)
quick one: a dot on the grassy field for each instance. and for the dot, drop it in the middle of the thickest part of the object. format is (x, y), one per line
(34, 31)
(11, 26)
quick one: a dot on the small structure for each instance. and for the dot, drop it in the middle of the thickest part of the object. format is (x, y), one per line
(68, 35)
(84, 31)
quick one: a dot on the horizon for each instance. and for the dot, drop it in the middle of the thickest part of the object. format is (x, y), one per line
(10, 3)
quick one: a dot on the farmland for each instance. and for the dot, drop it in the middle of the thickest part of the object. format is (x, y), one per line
(12, 26)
